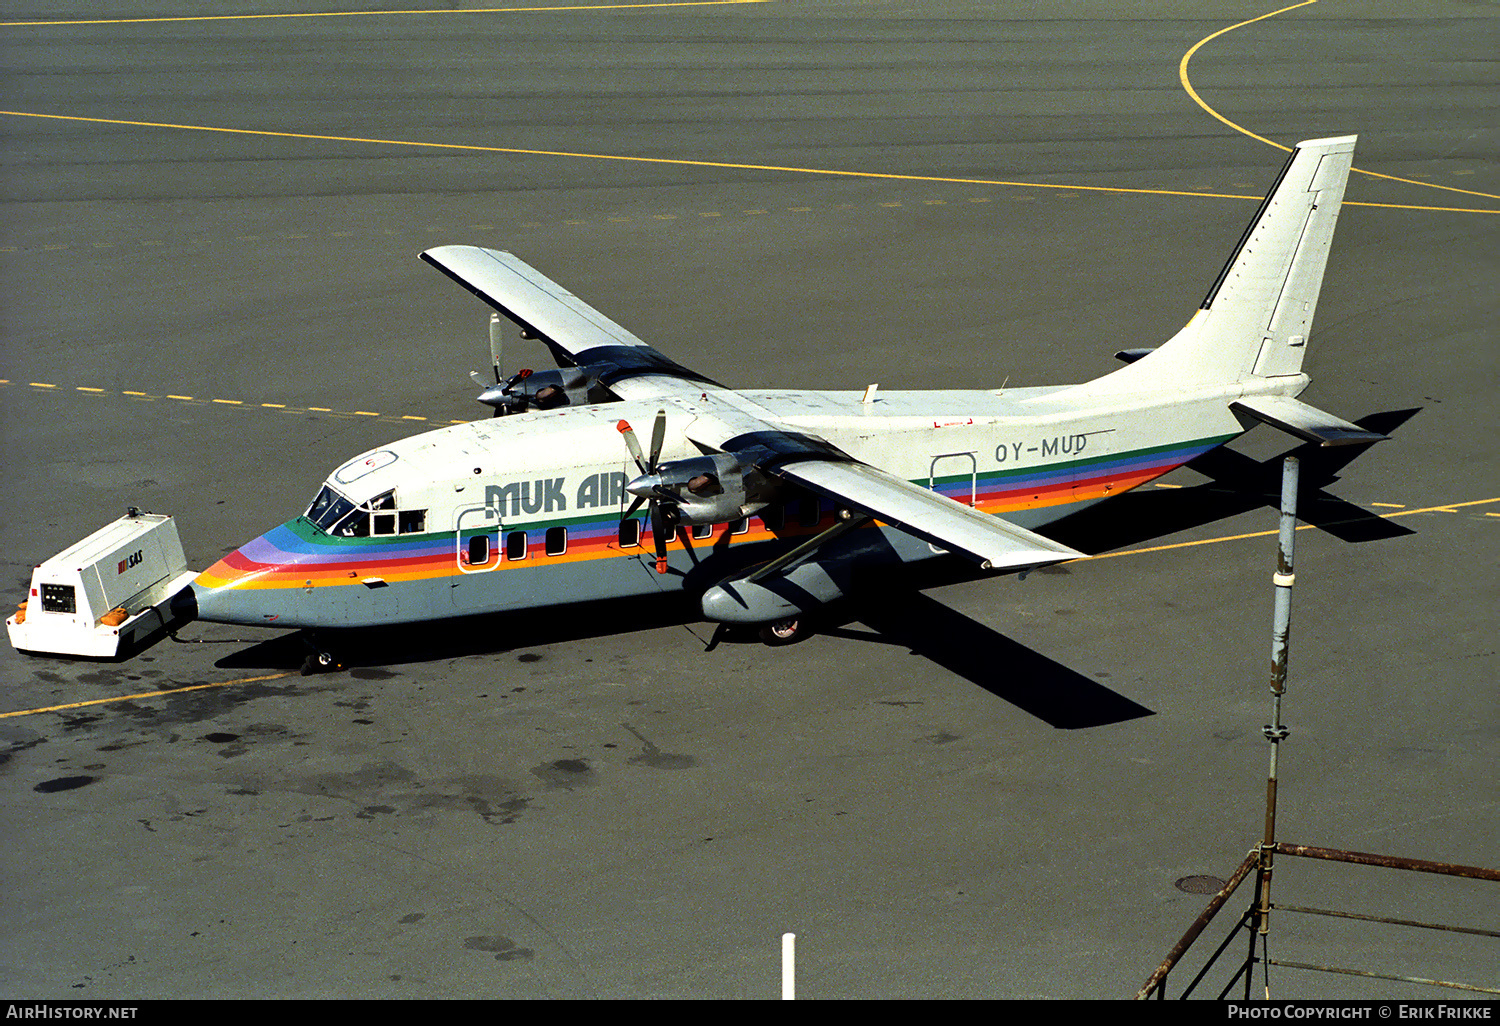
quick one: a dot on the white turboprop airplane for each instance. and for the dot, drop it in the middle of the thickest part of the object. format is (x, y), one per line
(767, 504)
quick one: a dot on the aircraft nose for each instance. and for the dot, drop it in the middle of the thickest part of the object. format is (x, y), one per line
(219, 604)
(223, 593)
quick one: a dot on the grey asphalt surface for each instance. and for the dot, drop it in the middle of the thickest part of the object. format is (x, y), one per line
(989, 789)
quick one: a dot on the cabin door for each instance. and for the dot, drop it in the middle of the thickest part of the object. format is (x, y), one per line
(478, 536)
(954, 475)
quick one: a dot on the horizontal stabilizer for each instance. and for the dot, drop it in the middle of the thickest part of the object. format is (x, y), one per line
(1306, 422)
(997, 544)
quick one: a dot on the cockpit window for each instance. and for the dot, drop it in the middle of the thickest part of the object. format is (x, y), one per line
(339, 517)
(327, 507)
(355, 525)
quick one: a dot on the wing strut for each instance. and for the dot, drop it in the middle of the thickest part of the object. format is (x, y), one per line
(847, 522)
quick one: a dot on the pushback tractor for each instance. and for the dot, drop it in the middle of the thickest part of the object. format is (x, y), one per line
(106, 595)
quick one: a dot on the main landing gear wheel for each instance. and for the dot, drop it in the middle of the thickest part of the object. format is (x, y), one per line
(785, 632)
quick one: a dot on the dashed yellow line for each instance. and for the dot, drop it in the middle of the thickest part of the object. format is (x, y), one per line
(1187, 84)
(144, 694)
(375, 14)
(91, 390)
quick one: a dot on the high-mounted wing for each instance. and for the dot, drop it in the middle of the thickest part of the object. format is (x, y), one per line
(576, 333)
(822, 468)
(997, 544)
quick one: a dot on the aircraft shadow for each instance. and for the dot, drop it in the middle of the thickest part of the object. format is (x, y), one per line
(466, 636)
(1044, 688)
(1238, 484)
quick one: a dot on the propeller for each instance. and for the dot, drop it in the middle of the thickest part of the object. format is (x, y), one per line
(498, 395)
(648, 487)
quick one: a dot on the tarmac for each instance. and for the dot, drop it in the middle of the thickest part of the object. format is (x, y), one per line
(988, 789)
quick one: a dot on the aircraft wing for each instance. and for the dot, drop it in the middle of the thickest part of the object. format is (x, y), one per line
(995, 543)
(575, 332)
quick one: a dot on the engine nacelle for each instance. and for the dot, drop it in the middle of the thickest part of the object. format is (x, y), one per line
(547, 390)
(712, 489)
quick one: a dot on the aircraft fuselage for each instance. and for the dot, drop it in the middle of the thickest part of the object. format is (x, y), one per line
(525, 511)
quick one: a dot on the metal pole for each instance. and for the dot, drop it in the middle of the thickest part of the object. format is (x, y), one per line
(1275, 732)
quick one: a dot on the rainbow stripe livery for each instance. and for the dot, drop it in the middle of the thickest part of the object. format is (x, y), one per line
(761, 504)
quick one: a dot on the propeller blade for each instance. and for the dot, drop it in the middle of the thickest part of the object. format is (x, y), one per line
(497, 331)
(659, 535)
(633, 445)
(640, 499)
(658, 435)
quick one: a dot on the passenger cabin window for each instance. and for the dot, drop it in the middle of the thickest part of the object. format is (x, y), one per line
(515, 545)
(703, 531)
(479, 550)
(774, 517)
(811, 513)
(557, 541)
(740, 526)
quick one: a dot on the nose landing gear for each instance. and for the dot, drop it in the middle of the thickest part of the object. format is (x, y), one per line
(785, 632)
(319, 660)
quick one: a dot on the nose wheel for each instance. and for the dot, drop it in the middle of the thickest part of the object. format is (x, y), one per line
(319, 660)
(785, 632)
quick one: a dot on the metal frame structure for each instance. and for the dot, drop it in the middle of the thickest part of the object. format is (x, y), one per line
(1256, 919)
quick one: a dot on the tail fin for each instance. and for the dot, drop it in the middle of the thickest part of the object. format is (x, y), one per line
(1257, 316)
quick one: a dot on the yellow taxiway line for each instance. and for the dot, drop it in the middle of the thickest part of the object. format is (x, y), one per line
(679, 162)
(144, 694)
(1447, 507)
(1187, 84)
(833, 172)
(375, 14)
(682, 162)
